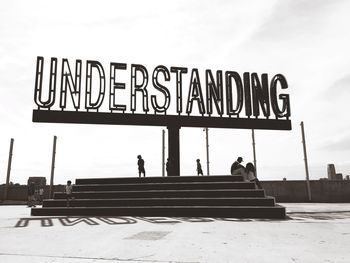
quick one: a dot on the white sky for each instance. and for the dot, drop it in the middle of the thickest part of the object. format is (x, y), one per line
(306, 41)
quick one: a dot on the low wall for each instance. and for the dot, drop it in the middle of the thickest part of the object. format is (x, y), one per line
(327, 191)
(284, 191)
(19, 192)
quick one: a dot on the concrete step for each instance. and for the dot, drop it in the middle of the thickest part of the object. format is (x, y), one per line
(165, 194)
(163, 186)
(167, 211)
(129, 202)
(185, 196)
(167, 179)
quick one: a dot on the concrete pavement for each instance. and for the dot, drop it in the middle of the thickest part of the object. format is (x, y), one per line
(312, 233)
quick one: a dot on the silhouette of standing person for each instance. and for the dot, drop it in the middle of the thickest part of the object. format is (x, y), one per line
(141, 165)
(31, 194)
(41, 194)
(199, 168)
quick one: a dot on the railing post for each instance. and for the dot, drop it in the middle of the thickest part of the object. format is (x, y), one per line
(254, 152)
(207, 147)
(305, 161)
(53, 166)
(8, 170)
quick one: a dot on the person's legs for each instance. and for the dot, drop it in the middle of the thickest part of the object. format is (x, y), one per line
(244, 174)
(240, 171)
(34, 201)
(68, 200)
(29, 203)
(257, 182)
(142, 171)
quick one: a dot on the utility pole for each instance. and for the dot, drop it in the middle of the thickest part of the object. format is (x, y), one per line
(207, 147)
(53, 165)
(8, 169)
(305, 160)
(254, 153)
(163, 152)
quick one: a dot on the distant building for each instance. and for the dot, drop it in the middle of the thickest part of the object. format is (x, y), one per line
(339, 176)
(331, 172)
(38, 181)
(347, 177)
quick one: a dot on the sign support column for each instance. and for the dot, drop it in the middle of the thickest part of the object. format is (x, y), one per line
(163, 152)
(174, 149)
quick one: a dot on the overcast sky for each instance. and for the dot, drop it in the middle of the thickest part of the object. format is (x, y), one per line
(306, 41)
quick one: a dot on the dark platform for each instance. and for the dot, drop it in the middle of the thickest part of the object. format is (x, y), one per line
(182, 196)
(59, 116)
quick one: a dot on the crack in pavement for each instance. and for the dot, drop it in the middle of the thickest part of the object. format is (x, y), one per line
(137, 259)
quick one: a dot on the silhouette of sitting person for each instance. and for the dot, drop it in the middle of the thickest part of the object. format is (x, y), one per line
(199, 168)
(250, 175)
(141, 165)
(237, 168)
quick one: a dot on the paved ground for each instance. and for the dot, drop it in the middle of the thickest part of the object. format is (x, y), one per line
(313, 233)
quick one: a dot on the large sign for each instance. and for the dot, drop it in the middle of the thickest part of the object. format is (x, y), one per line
(133, 94)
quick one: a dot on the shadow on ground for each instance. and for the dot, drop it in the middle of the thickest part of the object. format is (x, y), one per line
(72, 221)
(319, 215)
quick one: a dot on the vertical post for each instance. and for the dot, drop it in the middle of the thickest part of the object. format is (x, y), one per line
(174, 149)
(8, 169)
(53, 165)
(207, 147)
(254, 153)
(305, 160)
(163, 152)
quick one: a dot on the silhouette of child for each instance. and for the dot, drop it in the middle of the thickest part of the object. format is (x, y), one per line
(69, 192)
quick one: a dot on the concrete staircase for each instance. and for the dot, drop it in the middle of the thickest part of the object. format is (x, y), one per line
(182, 196)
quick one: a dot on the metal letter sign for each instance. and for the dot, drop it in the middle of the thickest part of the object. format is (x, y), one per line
(174, 97)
